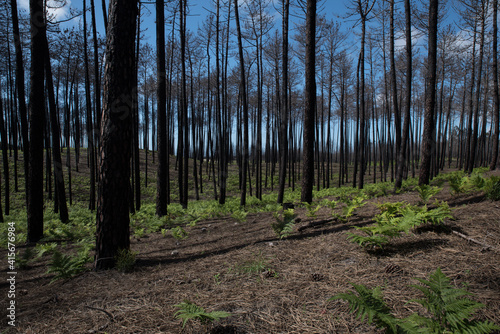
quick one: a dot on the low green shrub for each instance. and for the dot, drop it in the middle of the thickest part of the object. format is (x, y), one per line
(190, 311)
(397, 218)
(284, 224)
(312, 209)
(492, 188)
(125, 260)
(66, 266)
(351, 205)
(426, 191)
(448, 309)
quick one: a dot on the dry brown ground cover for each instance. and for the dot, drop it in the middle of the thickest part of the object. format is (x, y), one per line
(216, 267)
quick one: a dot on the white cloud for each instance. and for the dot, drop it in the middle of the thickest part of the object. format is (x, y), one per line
(59, 13)
(400, 40)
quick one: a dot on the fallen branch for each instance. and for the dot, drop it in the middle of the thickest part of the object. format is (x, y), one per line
(316, 223)
(485, 245)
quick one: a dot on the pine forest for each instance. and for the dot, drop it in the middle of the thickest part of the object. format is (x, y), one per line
(244, 166)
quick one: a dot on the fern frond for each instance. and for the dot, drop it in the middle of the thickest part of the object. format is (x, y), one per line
(368, 304)
(65, 266)
(426, 191)
(376, 240)
(284, 224)
(477, 327)
(189, 310)
(391, 208)
(438, 215)
(449, 305)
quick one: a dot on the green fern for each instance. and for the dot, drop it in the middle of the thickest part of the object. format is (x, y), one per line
(351, 205)
(449, 307)
(458, 182)
(125, 260)
(240, 215)
(378, 189)
(189, 311)
(436, 216)
(66, 266)
(179, 233)
(492, 188)
(409, 184)
(284, 224)
(426, 191)
(139, 232)
(397, 218)
(311, 209)
(392, 208)
(23, 259)
(368, 241)
(368, 304)
(41, 249)
(477, 180)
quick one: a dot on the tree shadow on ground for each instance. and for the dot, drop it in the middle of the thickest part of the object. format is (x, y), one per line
(409, 247)
(169, 259)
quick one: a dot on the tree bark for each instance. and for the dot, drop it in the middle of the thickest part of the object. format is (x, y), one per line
(113, 230)
(310, 104)
(163, 165)
(56, 137)
(496, 105)
(397, 113)
(104, 15)
(184, 134)
(37, 121)
(406, 125)
(3, 134)
(136, 155)
(430, 96)
(284, 106)
(473, 149)
(88, 102)
(21, 89)
(243, 88)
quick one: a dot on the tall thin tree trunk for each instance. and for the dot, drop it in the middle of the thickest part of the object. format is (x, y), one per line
(284, 105)
(362, 108)
(37, 121)
(21, 90)
(113, 221)
(88, 102)
(406, 125)
(474, 153)
(496, 105)
(469, 152)
(163, 165)
(3, 134)
(310, 104)
(184, 105)
(56, 137)
(243, 89)
(104, 15)
(430, 96)
(397, 114)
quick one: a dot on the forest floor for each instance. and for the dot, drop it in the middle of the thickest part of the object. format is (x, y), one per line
(269, 285)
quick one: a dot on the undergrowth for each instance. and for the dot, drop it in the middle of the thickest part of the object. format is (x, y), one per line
(397, 218)
(448, 309)
(66, 266)
(190, 311)
(284, 224)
